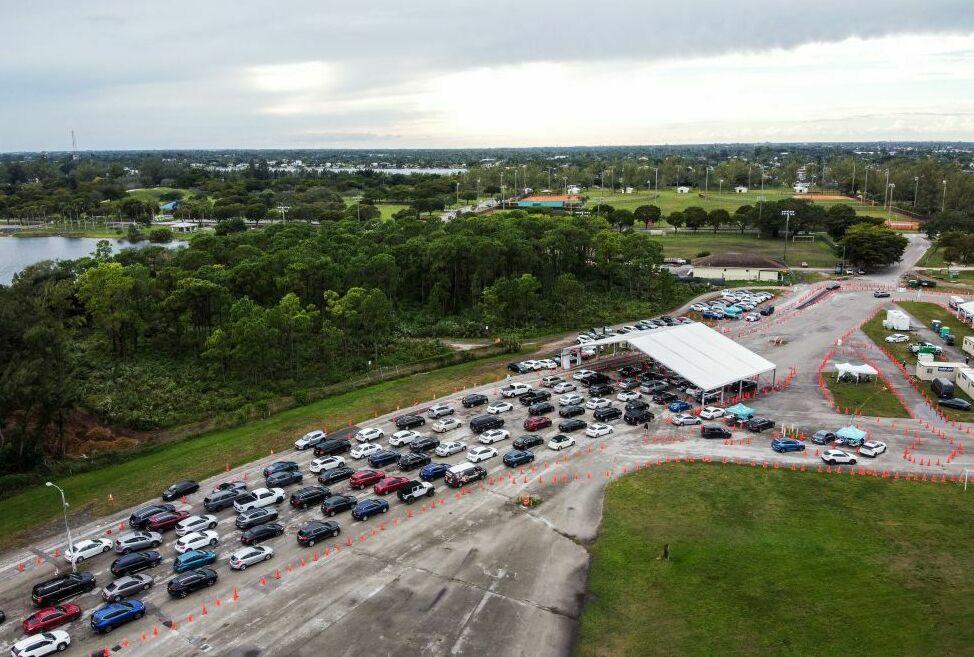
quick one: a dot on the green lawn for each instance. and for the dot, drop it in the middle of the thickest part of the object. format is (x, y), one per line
(153, 194)
(143, 477)
(389, 209)
(688, 245)
(669, 201)
(875, 331)
(925, 312)
(932, 258)
(766, 562)
(872, 399)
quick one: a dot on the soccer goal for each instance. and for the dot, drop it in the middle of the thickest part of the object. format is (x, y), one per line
(802, 238)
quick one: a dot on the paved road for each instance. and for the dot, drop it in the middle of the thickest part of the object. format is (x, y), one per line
(476, 574)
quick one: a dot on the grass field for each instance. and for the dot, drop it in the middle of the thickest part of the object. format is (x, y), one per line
(389, 209)
(872, 398)
(932, 258)
(766, 562)
(688, 245)
(144, 477)
(153, 194)
(925, 312)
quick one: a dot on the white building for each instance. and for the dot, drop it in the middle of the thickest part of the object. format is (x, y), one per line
(740, 189)
(800, 188)
(574, 189)
(682, 190)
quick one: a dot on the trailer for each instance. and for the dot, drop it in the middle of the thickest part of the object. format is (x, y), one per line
(896, 320)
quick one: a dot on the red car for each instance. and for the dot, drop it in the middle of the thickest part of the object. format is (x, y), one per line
(390, 485)
(364, 478)
(166, 520)
(536, 422)
(50, 617)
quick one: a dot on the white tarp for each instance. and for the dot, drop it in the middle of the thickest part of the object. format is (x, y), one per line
(966, 310)
(855, 371)
(696, 352)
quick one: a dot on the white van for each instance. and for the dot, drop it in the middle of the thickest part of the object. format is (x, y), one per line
(953, 302)
(464, 473)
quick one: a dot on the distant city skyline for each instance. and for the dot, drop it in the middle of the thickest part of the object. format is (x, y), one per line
(304, 74)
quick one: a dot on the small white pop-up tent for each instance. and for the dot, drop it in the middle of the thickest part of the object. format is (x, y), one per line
(856, 372)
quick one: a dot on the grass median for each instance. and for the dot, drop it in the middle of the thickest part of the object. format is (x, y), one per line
(144, 477)
(765, 562)
(871, 398)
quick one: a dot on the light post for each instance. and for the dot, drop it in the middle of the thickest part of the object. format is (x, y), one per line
(478, 190)
(916, 188)
(720, 187)
(706, 178)
(749, 175)
(886, 190)
(865, 185)
(787, 214)
(656, 169)
(67, 529)
(943, 202)
(853, 177)
(889, 208)
(458, 197)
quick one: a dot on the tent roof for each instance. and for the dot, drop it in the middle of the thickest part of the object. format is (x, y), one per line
(856, 369)
(851, 431)
(696, 352)
(739, 410)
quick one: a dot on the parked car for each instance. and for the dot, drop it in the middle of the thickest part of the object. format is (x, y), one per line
(478, 453)
(413, 460)
(410, 421)
(317, 530)
(115, 614)
(309, 496)
(596, 403)
(499, 406)
(684, 419)
(782, 445)
(332, 446)
(86, 549)
(955, 403)
(518, 457)
(193, 559)
(389, 485)
(715, 431)
(664, 397)
(364, 478)
(261, 533)
(916, 347)
(823, 437)
(571, 424)
(281, 466)
(326, 463)
(338, 503)
(253, 517)
(282, 479)
(368, 508)
(414, 490)
(637, 405)
(125, 586)
(41, 644)
(195, 524)
(404, 437)
(434, 471)
(597, 430)
(369, 434)
(836, 456)
(182, 585)
(601, 390)
(474, 399)
(560, 442)
(678, 407)
(872, 448)
(881, 294)
(140, 518)
(257, 498)
(562, 388)
(424, 444)
(179, 489)
(527, 441)
(446, 424)
(638, 416)
(571, 399)
(439, 410)
(250, 555)
(515, 390)
(711, 412)
(540, 408)
(551, 380)
(494, 436)
(48, 618)
(196, 541)
(383, 458)
(135, 562)
(628, 396)
(310, 439)
(607, 414)
(758, 424)
(571, 411)
(335, 475)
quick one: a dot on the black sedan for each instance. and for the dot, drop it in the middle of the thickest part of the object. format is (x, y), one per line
(425, 444)
(383, 458)
(528, 441)
(476, 399)
(410, 421)
(286, 478)
(664, 397)
(281, 466)
(135, 562)
(338, 503)
(571, 411)
(572, 424)
(332, 446)
(637, 405)
(308, 496)
(180, 488)
(333, 476)
(185, 583)
(261, 533)
(413, 460)
(317, 530)
(956, 404)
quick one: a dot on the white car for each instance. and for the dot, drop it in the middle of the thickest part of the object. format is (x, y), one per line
(195, 524)
(364, 450)
(627, 395)
(450, 447)
(564, 387)
(494, 436)
(137, 540)
(835, 456)
(532, 364)
(560, 442)
(598, 430)
(257, 498)
(682, 419)
(872, 448)
(369, 434)
(440, 410)
(571, 399)
(547, 364)
(897, 337)
(596, 403)
(515, 389)
(197, 541)
(478, 454)
(581, 374)
(310, 439)
(711, 412)
(41, 644)
(446, 424)
(499, 407)
(327, 463)
(248, 556)
(87, 549)
(404, 437)
(752, 317)
(698, 307)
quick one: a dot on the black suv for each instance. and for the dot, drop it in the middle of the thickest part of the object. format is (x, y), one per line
(758, 424)
(637, 405)
(527, 441)
(541, 408)
(482, 423)
(663, 397)
(636, 416)
(286, 478)
(571, 411)
(607, 413)
(714, 431)
(413, 460)
(262, 533)
(61, 588)
(135, 562)
(595, 379)
(572, 424)
(601, 390)
(140, 518)
(337, 504)
(308, 496)
(185, 583)
(424, 444)
(535, 397)
(476, 399)
(332, 446)
(334, 475)
(281, 466)
(317, 530)
(410, 421)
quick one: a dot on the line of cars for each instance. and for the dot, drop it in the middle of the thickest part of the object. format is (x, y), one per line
(736, 304)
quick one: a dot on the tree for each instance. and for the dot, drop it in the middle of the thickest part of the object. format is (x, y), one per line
(872, 246)
(742, 217)
(676, 219)
(227, 226)
(622, 219)
(108, 293)
(838, 219)
(648, 214)
(135, 210)
(718, 218)
(694, 217)
(957, 247)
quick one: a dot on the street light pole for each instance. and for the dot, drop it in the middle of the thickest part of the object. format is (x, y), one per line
(865, 186)
(720, 187)
(943, 203)
(916, 188)
(67, 529)
(787, 214)
(889, 208)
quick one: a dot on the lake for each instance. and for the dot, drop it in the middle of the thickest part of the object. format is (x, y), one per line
(18, 252)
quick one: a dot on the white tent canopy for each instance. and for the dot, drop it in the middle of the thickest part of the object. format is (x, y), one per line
(855, 370)
(696, 352)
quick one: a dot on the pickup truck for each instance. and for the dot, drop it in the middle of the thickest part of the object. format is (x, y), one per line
(515, 390)
(415, 490)
(259, 497)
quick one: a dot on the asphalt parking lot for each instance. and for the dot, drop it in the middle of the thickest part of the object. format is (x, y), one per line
(471, 573)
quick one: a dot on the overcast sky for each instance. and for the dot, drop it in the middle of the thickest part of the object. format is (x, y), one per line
(458, 73)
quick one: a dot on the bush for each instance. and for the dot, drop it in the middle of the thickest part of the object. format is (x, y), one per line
(227, 226)
(703, 254)
(160, 235)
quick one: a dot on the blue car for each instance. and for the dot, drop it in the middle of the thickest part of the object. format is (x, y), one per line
(679, 406)
(787, 445)
(713, 314)
(517, 457)
(368, 508)
(193, 559)
(383, 458)
(433, 471)
(107, 618)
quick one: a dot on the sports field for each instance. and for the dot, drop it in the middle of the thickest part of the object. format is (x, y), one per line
(774, 562)
(690, 245)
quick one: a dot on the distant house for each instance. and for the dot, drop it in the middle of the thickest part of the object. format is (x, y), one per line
(738, 267)
(800, 188)
(682, 190)
(561, 201)
(740, 189)
(628, 190)
(574, 189)
(181, 226)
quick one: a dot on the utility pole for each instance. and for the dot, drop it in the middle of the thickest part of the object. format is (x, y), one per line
(749, 175)
(886, 191)
(865, 186)
(943, 203)
(853, 177)
(889, 208)
(916, 188)
(67, 529)
(657, 180)
(458, 193)
(283, 210)
(787, 214)
(720, 187)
